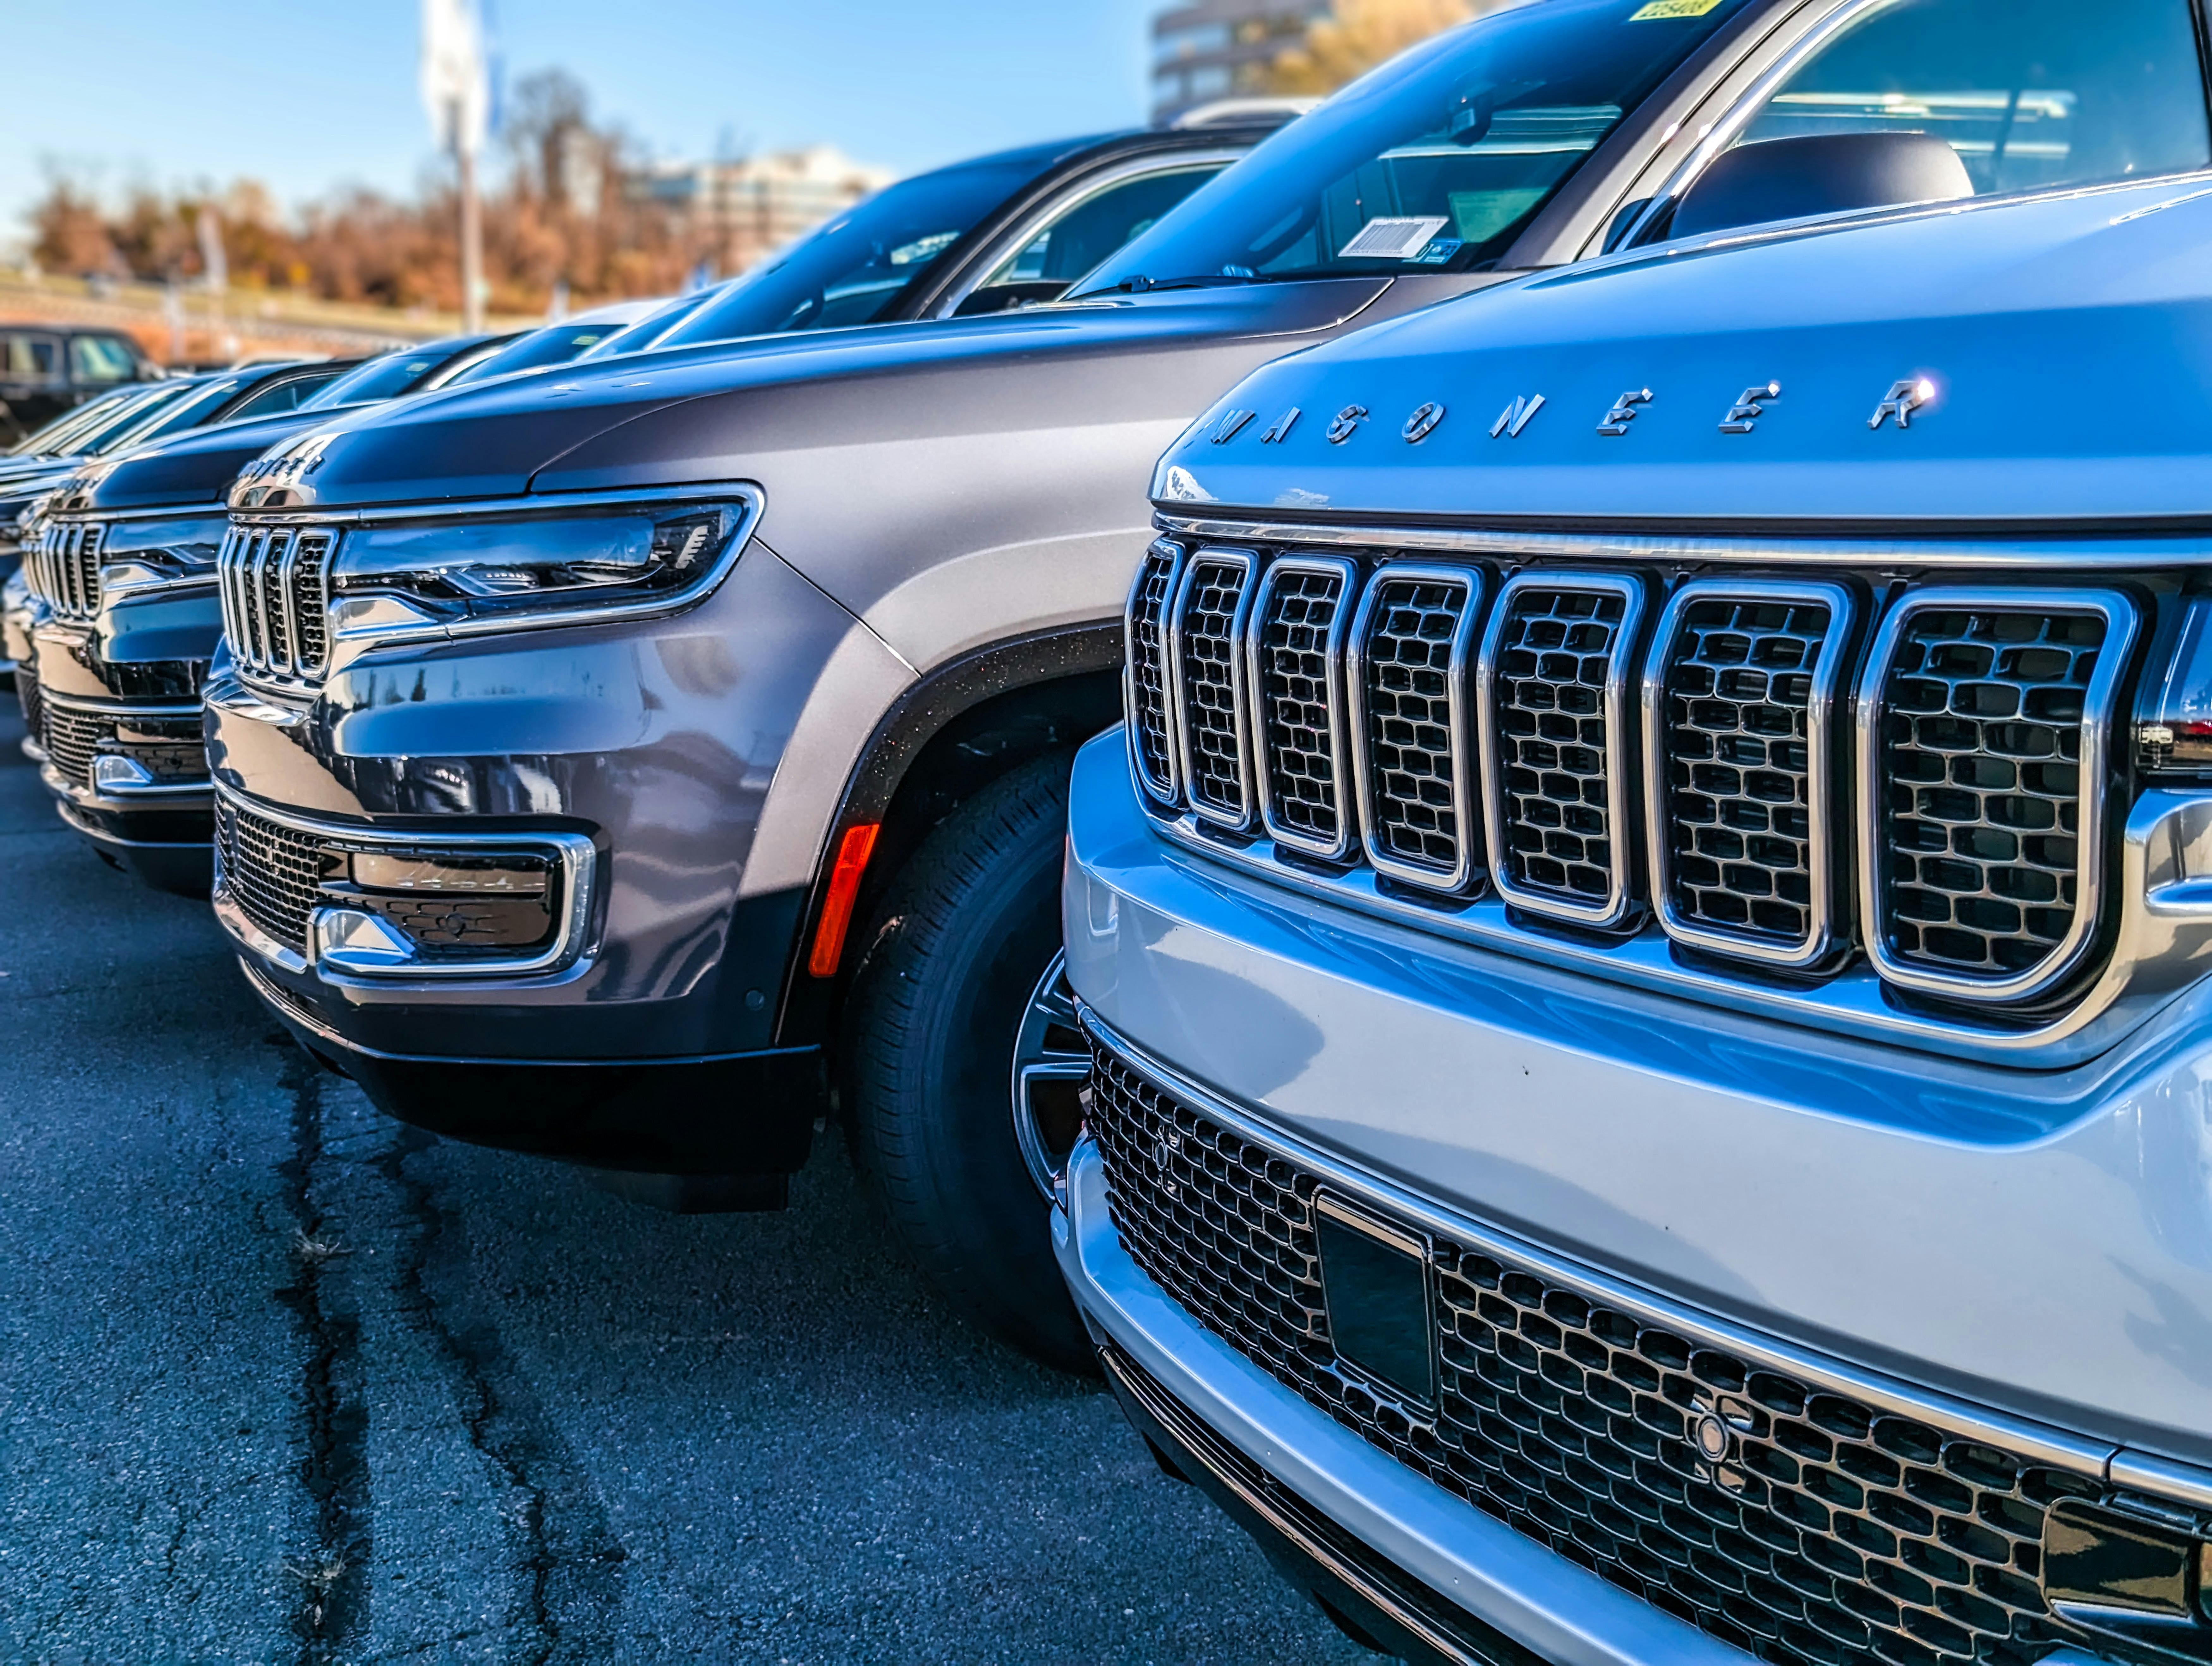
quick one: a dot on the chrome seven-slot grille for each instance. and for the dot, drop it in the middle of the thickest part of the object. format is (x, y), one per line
(275, 583)
(1534, 739)
(64, 568)
(271, 871)
(1828, 1533)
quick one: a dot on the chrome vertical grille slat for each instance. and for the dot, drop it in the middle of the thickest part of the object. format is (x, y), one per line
(1146, 683)
(1412, 645)
(63, 569)
(275, 587)
(1983, 724)
(1301, 615)
(1554, 693)
(1739, 697)
(1205, 656)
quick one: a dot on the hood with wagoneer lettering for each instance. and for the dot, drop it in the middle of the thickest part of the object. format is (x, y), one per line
(2033, 362)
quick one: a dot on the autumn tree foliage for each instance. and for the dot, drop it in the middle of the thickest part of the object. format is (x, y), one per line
(556, 211)
(1358, 34)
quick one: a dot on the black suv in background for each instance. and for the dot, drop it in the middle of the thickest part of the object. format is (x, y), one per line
(45, 369)
(116, 619)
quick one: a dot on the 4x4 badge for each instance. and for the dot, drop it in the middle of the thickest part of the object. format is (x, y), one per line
(1902, 400)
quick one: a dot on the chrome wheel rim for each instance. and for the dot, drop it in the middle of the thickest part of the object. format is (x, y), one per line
(1051, 1067)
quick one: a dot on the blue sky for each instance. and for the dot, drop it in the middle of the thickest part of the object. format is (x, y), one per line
(304, 94)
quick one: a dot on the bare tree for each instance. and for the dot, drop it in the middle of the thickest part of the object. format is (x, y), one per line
(1358, 34)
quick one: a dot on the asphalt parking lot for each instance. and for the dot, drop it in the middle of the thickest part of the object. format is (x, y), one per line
(281, 1380)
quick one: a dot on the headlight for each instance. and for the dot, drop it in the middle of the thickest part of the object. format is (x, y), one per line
(490, 568)
(158, 551)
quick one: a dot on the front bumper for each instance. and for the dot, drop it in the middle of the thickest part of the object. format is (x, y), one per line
(118, 735)
(651, 744)
(2024, 1255)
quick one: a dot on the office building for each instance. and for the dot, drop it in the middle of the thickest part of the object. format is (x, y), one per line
(1218, 49)
(741, 209)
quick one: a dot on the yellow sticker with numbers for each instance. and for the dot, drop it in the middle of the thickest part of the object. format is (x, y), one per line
(1672, 8)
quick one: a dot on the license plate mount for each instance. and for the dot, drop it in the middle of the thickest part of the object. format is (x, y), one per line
(1379, 1296)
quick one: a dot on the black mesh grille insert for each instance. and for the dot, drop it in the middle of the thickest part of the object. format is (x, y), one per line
(1981, 754)
(1148, 665)
(1827, 1533)
(1215, 756)
(73, 739)
(1296, 702)
(1739, 692)
(309, 580)
(1416, 792)
(271, 871)
(1553, 753)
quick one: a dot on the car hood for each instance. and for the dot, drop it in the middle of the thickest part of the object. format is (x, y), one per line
(2048, 357)
(195, 466)
(694, 413)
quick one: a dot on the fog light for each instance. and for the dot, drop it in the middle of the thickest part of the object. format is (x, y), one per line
(434, 905)
(112, 773)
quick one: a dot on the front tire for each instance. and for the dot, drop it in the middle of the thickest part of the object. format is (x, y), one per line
(961, 944)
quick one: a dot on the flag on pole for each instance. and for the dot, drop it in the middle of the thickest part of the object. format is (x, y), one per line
(456, 80)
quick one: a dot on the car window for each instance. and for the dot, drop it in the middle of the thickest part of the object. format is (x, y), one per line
(32, 358)
(1437, 160)
(380, 378)
(281, 396)
(101, 359)
(856, 268)
(1082, 232)
(2029, 93)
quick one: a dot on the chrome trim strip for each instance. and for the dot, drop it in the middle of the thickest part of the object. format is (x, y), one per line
(1619, 749)
(2110, 554)
(1164, 791)
(572, 852)
(1334, 674)
(2163, 937)
(160, 710)
(1247, 561)
(1469, 871)
(204, 511)
(2036, 1443)
(545, 503)
(2099, 705)
(1827, 672)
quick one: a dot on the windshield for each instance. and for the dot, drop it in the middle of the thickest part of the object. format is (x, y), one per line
(855, 270)
(131, 423)
(648, 330)
(58, 435)
(555, 345)
(1435, 162)
(168, 417)
(387, 377)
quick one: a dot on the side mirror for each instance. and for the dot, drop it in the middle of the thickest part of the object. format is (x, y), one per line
(1822, 173)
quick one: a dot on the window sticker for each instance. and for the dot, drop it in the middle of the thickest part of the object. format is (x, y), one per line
(1665, 8)
(1392, 238)
(1439, 252)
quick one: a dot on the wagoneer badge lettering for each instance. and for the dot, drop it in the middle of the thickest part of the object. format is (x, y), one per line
(1346, 424)
(1516, 416)
(1902, 400)
(1231, 424)
(1422, 422)
(1624, 412)
(1743, 416)
(1280, 429)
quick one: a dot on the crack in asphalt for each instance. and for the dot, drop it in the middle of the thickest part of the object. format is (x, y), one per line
(334, 1468)
(570, 1552)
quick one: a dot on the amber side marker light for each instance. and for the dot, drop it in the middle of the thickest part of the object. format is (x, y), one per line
(852, 853)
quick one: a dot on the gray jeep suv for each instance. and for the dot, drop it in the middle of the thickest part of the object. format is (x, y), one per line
(1645, 951)
(606, 764)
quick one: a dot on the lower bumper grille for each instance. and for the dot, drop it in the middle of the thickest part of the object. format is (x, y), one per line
(72, 740)
(1817, 1531)
(271, 871)
(27, 695)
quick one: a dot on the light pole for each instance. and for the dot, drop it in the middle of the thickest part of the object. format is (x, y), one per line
(457, 93)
